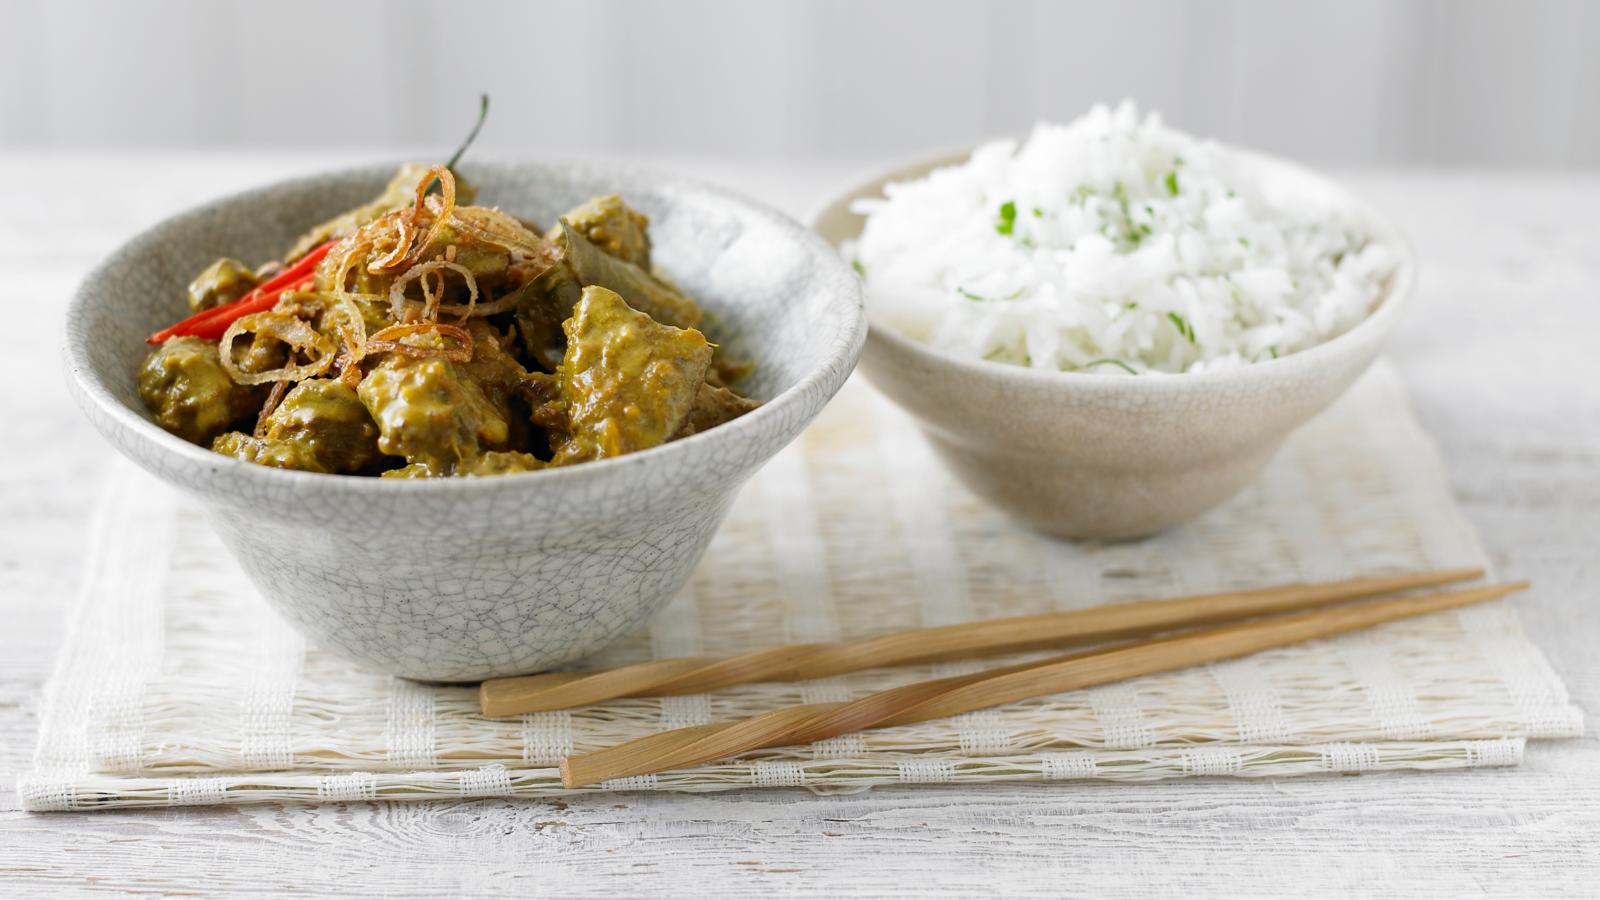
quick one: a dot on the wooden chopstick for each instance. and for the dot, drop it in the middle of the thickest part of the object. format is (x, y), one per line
(951, 696)
(798, 662)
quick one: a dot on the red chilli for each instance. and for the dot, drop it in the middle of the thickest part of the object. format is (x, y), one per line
(210, 324)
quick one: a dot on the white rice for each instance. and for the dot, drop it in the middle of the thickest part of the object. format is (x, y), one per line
(1115, 244)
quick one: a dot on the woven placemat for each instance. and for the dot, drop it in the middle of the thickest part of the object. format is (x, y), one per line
(178, 686)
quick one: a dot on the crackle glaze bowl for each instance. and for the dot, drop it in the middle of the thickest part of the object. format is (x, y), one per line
(1095, 456)
(467, 578)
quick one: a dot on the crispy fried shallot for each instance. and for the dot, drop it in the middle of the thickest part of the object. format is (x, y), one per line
(297, 333)
(393, 340)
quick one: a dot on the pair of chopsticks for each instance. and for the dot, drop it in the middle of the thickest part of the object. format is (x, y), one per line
(1292, 611)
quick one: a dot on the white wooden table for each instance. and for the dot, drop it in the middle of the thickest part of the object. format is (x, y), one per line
(1499, 352)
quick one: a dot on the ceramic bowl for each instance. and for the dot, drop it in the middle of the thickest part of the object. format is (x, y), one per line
(466, 578)
(1086, 455)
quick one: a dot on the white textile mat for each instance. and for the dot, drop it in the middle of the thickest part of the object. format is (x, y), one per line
(178, 686)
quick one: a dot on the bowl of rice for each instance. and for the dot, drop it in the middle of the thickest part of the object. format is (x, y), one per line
(1111, 326)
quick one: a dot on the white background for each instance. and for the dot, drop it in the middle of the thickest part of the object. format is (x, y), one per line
(1356, 82)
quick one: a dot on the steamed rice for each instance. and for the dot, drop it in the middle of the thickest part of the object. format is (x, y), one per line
(1115, 244)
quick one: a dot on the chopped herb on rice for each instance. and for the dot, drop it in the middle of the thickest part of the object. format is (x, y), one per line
(1184, 328)
(1124, 260)
(1008, 218)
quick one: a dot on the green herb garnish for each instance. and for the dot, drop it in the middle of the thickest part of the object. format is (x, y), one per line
(1038, 213)
(1184, 328)
(1172, 182)
(1109, 361)
(860, 269)
(483, 114)
(1008, 218)
(976, 298)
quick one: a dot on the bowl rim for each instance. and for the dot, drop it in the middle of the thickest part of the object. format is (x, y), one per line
(839, 355)
(1374, 326)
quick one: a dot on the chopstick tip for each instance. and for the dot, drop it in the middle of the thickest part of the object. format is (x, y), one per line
(571, 778)
(491, 700)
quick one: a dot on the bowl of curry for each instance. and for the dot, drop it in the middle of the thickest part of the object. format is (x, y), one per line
(461, 424)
